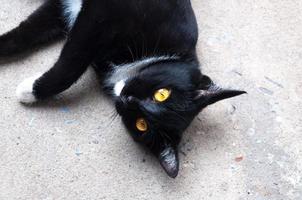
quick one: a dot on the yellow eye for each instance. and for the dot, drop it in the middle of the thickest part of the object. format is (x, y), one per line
(162, 95)
(141, 125)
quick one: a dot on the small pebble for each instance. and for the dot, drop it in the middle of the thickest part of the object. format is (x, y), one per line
(58, 130)
(274, 82)
(259, 141)
(233, 168)
(78, 152)
(251, 132)
(236, 72)
(95, 142)
(183, 153)
(236, 127)
(232, 109)
(239, 158)
(266, 91)
(199, 118)
(279, 119)
(31, 121)
(70, 121)
(200, 133)
(188, 146)
(270, 158)
(65, 109)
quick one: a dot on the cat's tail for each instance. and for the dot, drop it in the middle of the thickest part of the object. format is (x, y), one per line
(41, 27)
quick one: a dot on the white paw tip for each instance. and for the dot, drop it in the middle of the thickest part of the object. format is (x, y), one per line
(24, 90)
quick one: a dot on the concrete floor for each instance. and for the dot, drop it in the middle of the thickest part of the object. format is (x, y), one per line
(245, 148)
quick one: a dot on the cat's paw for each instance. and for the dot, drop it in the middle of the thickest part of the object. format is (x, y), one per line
(24, 90)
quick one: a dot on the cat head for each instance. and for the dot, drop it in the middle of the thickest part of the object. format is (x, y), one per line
(160, 102)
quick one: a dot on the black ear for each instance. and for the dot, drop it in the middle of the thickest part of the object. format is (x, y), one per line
(210, 97)
(210, 93)
(168, 159)
(205, 83)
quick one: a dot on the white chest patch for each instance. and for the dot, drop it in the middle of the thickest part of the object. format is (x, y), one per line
(71, 10)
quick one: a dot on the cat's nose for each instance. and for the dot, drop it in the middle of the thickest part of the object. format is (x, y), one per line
(131, 102)
(125, 103)
(131, 99)
(128, 99)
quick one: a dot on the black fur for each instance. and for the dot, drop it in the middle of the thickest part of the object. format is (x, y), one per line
(115, 32)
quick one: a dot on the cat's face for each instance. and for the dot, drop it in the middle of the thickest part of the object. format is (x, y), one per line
(159, 103)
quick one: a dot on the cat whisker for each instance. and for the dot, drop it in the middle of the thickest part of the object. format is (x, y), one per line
(156, 45)
(153, 139)
(131, 52)
(113, 117)
(136, 50)
(178, 115)
(144, 46)
(165, 135)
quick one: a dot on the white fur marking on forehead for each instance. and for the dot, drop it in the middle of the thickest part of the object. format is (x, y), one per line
(126, 71)
(119, 86)
(71, 10)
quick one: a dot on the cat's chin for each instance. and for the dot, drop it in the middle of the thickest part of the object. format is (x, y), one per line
(25, 92)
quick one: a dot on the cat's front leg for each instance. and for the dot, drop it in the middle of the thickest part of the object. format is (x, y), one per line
(87, 37)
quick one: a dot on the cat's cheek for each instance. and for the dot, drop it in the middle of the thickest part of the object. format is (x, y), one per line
(24, 90)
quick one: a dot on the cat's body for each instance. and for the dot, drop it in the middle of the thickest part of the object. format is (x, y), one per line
(144, 51)
(147, 32)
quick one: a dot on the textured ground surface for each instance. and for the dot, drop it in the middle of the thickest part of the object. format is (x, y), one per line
(241, 149)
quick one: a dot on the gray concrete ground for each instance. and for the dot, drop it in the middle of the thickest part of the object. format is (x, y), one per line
(240, 149)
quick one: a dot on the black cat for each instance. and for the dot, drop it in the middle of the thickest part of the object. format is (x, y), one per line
(144, 50)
